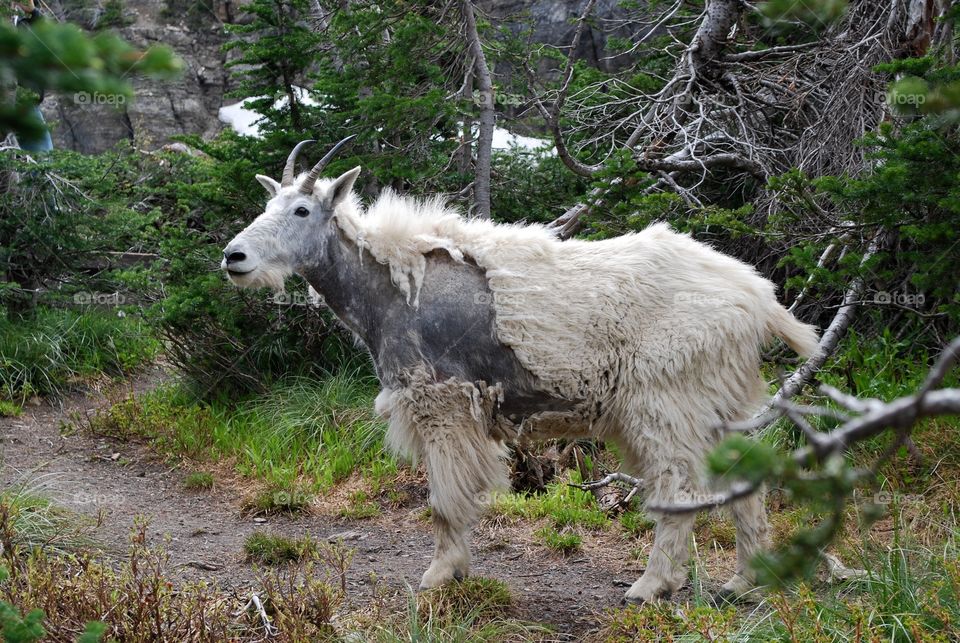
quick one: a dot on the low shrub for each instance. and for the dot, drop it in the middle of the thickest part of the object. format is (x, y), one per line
(274, 549)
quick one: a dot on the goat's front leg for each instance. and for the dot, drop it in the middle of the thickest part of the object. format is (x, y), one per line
(451, 553)
(451, 421)
(666, 569)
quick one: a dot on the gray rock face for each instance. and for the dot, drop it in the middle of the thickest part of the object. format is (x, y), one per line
(160, 109)
(554, 22)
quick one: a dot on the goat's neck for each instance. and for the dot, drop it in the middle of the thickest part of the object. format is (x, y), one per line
(357, 290)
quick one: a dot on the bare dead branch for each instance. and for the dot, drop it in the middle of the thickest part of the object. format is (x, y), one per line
(831, 337)
(616, 476)
(753, 113)
(877, 416)
(751, 56)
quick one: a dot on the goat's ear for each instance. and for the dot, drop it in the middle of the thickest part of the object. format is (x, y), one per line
(272, 186)
(342, 186)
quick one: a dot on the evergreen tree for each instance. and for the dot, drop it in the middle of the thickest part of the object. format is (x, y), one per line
(277, 49)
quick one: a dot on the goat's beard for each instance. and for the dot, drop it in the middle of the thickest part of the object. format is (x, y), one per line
(263, 276)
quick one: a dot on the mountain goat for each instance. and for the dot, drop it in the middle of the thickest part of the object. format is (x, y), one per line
(486, 333)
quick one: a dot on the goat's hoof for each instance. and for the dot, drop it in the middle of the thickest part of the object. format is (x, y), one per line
(735, 590)
(441, 574)
(640, 599)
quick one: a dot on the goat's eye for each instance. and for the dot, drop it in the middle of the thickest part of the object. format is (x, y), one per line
(301, 211)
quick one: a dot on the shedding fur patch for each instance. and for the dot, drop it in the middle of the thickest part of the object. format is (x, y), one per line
(399, 231)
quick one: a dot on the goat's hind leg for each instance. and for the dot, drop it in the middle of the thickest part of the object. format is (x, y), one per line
(666, 569)
(750, 517)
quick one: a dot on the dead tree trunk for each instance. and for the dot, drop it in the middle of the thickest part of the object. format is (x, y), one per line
(484, 86)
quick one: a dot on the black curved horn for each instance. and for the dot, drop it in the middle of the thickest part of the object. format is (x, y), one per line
(307, 186)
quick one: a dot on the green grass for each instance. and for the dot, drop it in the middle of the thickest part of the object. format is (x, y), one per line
(29, 521)
(475, 610)
(565, 542)
(487, 596)
(361, 506)
(636, 523)
(47, 353)
(562, 505)
(879, 368)
(198, 481)
(903, 599)
(277, 500)
(909, 595)
(664, 622)
(301, 437)
(10, 409)
(327, 428)
(274, 549)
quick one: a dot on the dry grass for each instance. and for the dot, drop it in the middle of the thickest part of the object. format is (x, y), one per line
(136, 599)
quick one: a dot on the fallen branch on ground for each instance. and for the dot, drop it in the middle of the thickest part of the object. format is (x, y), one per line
(621, 504)
(257, 605)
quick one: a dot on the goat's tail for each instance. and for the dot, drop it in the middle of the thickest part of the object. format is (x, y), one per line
(802, 338)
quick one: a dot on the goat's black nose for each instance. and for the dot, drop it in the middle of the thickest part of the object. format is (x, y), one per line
(234, 256)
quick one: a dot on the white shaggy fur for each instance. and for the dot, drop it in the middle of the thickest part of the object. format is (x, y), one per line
(659, 332)
(450, 426)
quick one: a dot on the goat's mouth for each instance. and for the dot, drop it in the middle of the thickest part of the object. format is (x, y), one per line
(262, 274)
(242, 278)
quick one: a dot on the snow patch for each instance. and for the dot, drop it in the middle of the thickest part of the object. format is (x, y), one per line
(505, 140)
(245, 121)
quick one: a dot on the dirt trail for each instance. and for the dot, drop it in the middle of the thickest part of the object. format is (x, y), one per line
(124, 480)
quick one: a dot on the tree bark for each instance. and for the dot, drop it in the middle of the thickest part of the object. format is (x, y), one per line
(484, 85)
(466, 144)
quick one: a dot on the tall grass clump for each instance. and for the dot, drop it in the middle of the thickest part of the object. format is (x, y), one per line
(905, 596)
(46, 353)
(322, 429)
(474, 610)
(28, 522)
(326, 427)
